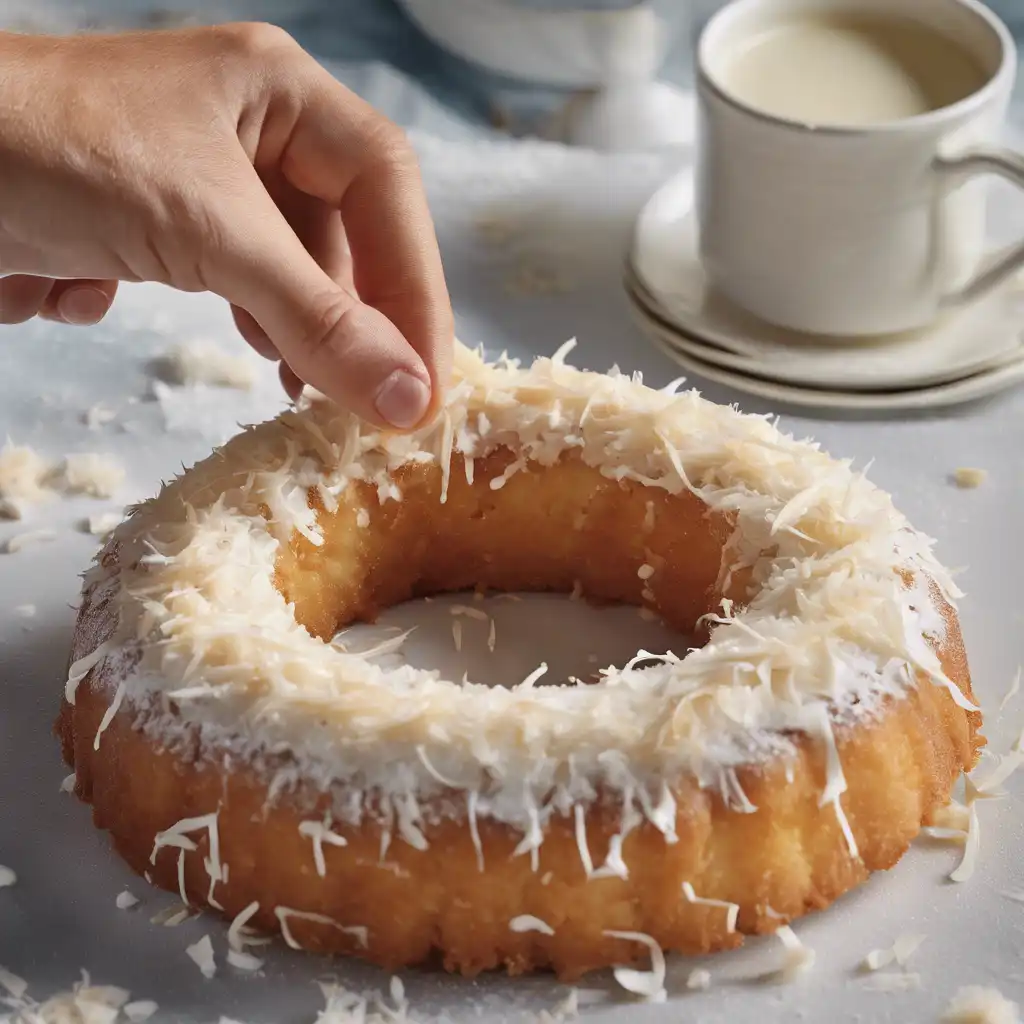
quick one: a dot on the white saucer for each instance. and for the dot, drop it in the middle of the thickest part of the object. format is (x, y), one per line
(665, 276)
(937, 396)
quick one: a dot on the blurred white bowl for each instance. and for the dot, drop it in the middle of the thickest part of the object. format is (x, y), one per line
(613, 54)
(575, 49)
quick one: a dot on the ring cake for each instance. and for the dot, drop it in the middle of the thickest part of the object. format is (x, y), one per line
(677, 803)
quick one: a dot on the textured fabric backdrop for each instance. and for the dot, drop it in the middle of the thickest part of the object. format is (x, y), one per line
(449, 95)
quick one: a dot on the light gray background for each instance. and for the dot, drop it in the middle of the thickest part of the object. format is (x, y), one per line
(572, 213)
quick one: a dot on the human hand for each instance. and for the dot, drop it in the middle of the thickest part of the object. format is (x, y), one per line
(226, 160)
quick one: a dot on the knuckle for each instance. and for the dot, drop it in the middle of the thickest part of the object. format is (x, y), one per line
(320, 330)
(387, 146)
(259, 39)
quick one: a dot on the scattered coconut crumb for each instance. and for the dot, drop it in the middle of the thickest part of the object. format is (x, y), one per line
(101, 525)
(67, 784)
(457, 633)
(7, 877)
(97, 476)
(968, 479)
(84, 1004)
(23, 474)
(125, 900)
(899, 952)
(98, 415)
(344, 1006)
(563, 1010)
(797, 958)
(15, 986)
(362, 519)
(140, 1010)
(172, 916)
(26, 539)
(648, 984)
(492, 636)
(699, 980)
(244, 961)
(975, 1004)
(25, 611)
(196, 362)
(201, 953)
(645, 572)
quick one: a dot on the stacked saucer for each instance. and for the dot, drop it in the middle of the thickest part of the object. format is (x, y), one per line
(973, 352)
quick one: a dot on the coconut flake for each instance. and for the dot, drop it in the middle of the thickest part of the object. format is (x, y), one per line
(975, 1004)
(698, 980)
(648, 984)
(797, 958)
(198, 362)
(320, 832)
(201, 953)
(16, 986)
(98, 415)
(7, 877)
(732, 910)
(140, 1010)
(529, 923)
(358, 932)
(19, 541)
(243, 961)
(968, 478)
(98, 476)
(125, 900)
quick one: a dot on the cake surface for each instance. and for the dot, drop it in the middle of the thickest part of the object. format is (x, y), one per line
(234, 753)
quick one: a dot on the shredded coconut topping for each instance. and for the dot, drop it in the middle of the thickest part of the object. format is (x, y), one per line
(830, 629)
(529, 923)
(320, 832)
(358, 932)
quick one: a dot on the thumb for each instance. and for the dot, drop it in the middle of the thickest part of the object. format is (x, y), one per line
(349, 351)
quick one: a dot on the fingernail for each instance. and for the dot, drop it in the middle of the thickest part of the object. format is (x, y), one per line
(83, 306)
(402, 400)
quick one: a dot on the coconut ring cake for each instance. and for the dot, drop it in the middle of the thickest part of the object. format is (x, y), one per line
(678, 802)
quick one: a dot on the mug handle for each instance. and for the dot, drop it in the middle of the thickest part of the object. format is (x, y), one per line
(1005, 164)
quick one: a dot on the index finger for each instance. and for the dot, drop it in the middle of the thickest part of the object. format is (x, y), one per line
(344, 153)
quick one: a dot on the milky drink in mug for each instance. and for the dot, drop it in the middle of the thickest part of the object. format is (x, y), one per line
(842, 145)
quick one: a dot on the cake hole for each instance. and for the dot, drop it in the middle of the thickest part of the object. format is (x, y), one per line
(574, 638)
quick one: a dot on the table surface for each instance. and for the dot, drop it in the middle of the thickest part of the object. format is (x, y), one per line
(570, 214)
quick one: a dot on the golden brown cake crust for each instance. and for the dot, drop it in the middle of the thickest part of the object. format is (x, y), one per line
(784, 859)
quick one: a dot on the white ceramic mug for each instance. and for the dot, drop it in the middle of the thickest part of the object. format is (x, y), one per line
(853, 231)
